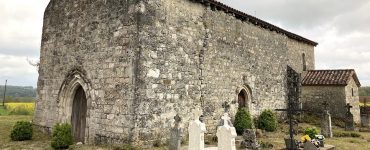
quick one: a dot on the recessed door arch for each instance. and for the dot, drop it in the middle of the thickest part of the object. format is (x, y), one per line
(74, 100)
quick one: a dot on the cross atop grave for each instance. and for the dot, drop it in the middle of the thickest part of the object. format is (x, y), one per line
(348, 106)
(177, 120)
(196, 113)
(226, 119)
(226, 106)
(326, 105)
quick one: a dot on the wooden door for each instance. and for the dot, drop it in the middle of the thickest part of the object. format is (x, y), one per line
(79, 110)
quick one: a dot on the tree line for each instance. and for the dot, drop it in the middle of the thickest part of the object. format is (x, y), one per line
(18, 93)
(364, 91)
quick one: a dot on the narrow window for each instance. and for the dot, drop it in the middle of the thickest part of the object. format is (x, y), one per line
(304, 61)
(353, 93)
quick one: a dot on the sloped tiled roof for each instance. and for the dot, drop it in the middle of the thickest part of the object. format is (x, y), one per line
(329, 77)
(215, 5)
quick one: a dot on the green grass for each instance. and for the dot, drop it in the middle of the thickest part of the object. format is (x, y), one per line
(3, 111)
(341, 143)
(39, 139)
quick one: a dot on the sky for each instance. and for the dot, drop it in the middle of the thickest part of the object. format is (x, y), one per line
(342, 30)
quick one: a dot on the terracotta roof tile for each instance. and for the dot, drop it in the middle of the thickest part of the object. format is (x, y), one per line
(329, 77)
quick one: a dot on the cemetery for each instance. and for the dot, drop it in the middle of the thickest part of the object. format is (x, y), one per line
(182, 75)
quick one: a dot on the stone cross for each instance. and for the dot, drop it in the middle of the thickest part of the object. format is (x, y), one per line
(226, 134)
(348, 106)
(226, 106)
(349, 124)
(326, 105)
(196, 132)
(176, 135)
(326, 128)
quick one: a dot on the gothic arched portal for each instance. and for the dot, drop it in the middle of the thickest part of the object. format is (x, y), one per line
(78, 117)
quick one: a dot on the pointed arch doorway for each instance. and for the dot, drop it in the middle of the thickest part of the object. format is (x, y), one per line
(78, 117)
(244, 97)
(74, 105)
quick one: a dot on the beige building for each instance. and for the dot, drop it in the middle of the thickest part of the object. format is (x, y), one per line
(337, 87)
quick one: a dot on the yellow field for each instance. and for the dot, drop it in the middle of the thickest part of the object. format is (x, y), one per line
(20, 108)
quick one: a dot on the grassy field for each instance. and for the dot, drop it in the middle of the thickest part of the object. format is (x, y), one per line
(17, 109)
(341, 143)
(42, 141)
(39, 140)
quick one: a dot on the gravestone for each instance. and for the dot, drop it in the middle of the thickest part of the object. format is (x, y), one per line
(176, 135)
(364, 111)
(250, 140)
(349, 124)
(309, 146)
(226, 134)
(196, 132)
(326, 128)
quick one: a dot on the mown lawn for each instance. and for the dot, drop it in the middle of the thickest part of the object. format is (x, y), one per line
(42, 141)
(39, 140)
(341, 143)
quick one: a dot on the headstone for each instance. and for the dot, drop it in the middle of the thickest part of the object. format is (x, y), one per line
(365, 120)
(349, 124)
(176, 135)
(326, 128)
(309, 146)
(226, 134)
(250, 140)
(196, 132)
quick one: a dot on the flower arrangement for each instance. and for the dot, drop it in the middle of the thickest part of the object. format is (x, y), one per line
(305, 138)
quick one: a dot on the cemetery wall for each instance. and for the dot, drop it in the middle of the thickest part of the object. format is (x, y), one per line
(141, 62)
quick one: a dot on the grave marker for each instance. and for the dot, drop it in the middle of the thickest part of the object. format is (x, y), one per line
(226, 134)
(196, 132)
(176, 134)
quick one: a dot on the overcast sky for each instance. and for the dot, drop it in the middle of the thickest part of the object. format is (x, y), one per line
(342, 30)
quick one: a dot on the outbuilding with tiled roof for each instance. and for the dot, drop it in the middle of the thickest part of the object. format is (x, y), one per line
(337, 87)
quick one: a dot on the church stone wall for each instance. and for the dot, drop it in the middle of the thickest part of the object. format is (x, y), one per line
(146, 61)
(97, 38)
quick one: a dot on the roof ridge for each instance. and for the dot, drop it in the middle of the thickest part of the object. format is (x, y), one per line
(216, 5)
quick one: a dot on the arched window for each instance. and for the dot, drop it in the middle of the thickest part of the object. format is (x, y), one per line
(242, 98)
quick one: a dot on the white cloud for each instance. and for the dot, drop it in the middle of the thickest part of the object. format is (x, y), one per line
(341, 28)
(20, 37)
(17, 70)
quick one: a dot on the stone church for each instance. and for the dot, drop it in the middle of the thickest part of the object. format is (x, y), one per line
(120, 70)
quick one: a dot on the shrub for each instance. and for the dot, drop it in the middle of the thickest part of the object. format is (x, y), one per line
(62, 136)
(267, 121)
(22, 130)
(310, 132)
(242, 121)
